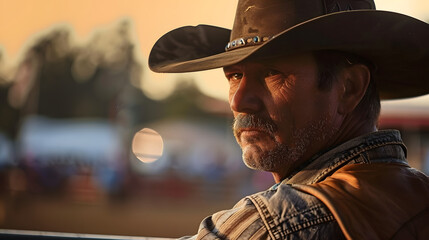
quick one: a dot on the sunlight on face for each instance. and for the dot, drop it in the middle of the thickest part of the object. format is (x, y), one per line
(282, 118)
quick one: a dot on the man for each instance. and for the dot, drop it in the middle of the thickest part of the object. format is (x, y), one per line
(306, 78)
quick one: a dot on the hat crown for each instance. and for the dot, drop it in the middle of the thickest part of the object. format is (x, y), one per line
(266, 18)
(397, 44)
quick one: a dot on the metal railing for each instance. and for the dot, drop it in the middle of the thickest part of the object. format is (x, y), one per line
(10, 234)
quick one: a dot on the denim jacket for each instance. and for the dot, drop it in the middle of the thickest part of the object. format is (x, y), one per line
(284, 212)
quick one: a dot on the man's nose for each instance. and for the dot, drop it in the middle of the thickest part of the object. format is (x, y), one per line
(245, 98)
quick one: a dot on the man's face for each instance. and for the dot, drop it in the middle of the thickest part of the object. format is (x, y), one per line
(281, 116)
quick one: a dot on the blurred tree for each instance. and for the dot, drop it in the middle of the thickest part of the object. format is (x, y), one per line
(62, 81)
(8, 115)
(97, 80)
(187, 101)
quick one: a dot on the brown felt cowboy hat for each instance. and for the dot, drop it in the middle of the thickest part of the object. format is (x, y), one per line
(398, 45)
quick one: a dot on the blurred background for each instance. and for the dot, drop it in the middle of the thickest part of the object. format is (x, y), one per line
(75, 91)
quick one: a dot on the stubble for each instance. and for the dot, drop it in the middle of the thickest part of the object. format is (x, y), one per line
(282, 156)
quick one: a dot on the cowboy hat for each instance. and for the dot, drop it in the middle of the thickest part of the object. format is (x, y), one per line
(398, 45)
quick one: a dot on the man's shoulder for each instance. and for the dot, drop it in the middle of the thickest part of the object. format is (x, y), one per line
(288, 209)
(375, 200)
(277, 213)
(284, 199)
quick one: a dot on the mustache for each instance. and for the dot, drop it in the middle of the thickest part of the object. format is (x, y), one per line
(243, 121)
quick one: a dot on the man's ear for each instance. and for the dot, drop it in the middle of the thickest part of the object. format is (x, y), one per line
(354, 81)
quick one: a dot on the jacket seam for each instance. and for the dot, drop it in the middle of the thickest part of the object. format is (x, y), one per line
(346, 159)
(318, 206)
(273, 228)
(310, 223)
(267, 218)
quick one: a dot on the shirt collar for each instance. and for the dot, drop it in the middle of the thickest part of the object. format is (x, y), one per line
(363, 149)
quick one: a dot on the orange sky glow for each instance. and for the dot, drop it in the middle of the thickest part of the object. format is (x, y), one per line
(23, 20)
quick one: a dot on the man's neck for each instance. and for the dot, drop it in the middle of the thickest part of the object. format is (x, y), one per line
(350, 128)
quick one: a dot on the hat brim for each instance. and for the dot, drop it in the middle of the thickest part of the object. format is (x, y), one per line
(397, 44)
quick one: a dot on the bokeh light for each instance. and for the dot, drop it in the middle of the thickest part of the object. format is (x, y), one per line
(147, 145)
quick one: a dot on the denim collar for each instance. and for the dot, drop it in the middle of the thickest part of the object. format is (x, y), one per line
(379, 146)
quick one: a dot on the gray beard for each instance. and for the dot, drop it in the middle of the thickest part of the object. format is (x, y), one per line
(284, 156)
(269, 161)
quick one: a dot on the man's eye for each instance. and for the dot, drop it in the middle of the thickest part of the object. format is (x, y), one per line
(234, 76)
(272, 72)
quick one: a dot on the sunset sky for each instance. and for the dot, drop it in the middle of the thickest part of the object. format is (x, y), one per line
(23, 20)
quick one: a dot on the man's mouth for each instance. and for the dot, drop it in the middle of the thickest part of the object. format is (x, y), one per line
(249, 132)
(252, 134)
(253, 126)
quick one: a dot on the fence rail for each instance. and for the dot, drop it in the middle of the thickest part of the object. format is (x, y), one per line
(10, 234)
